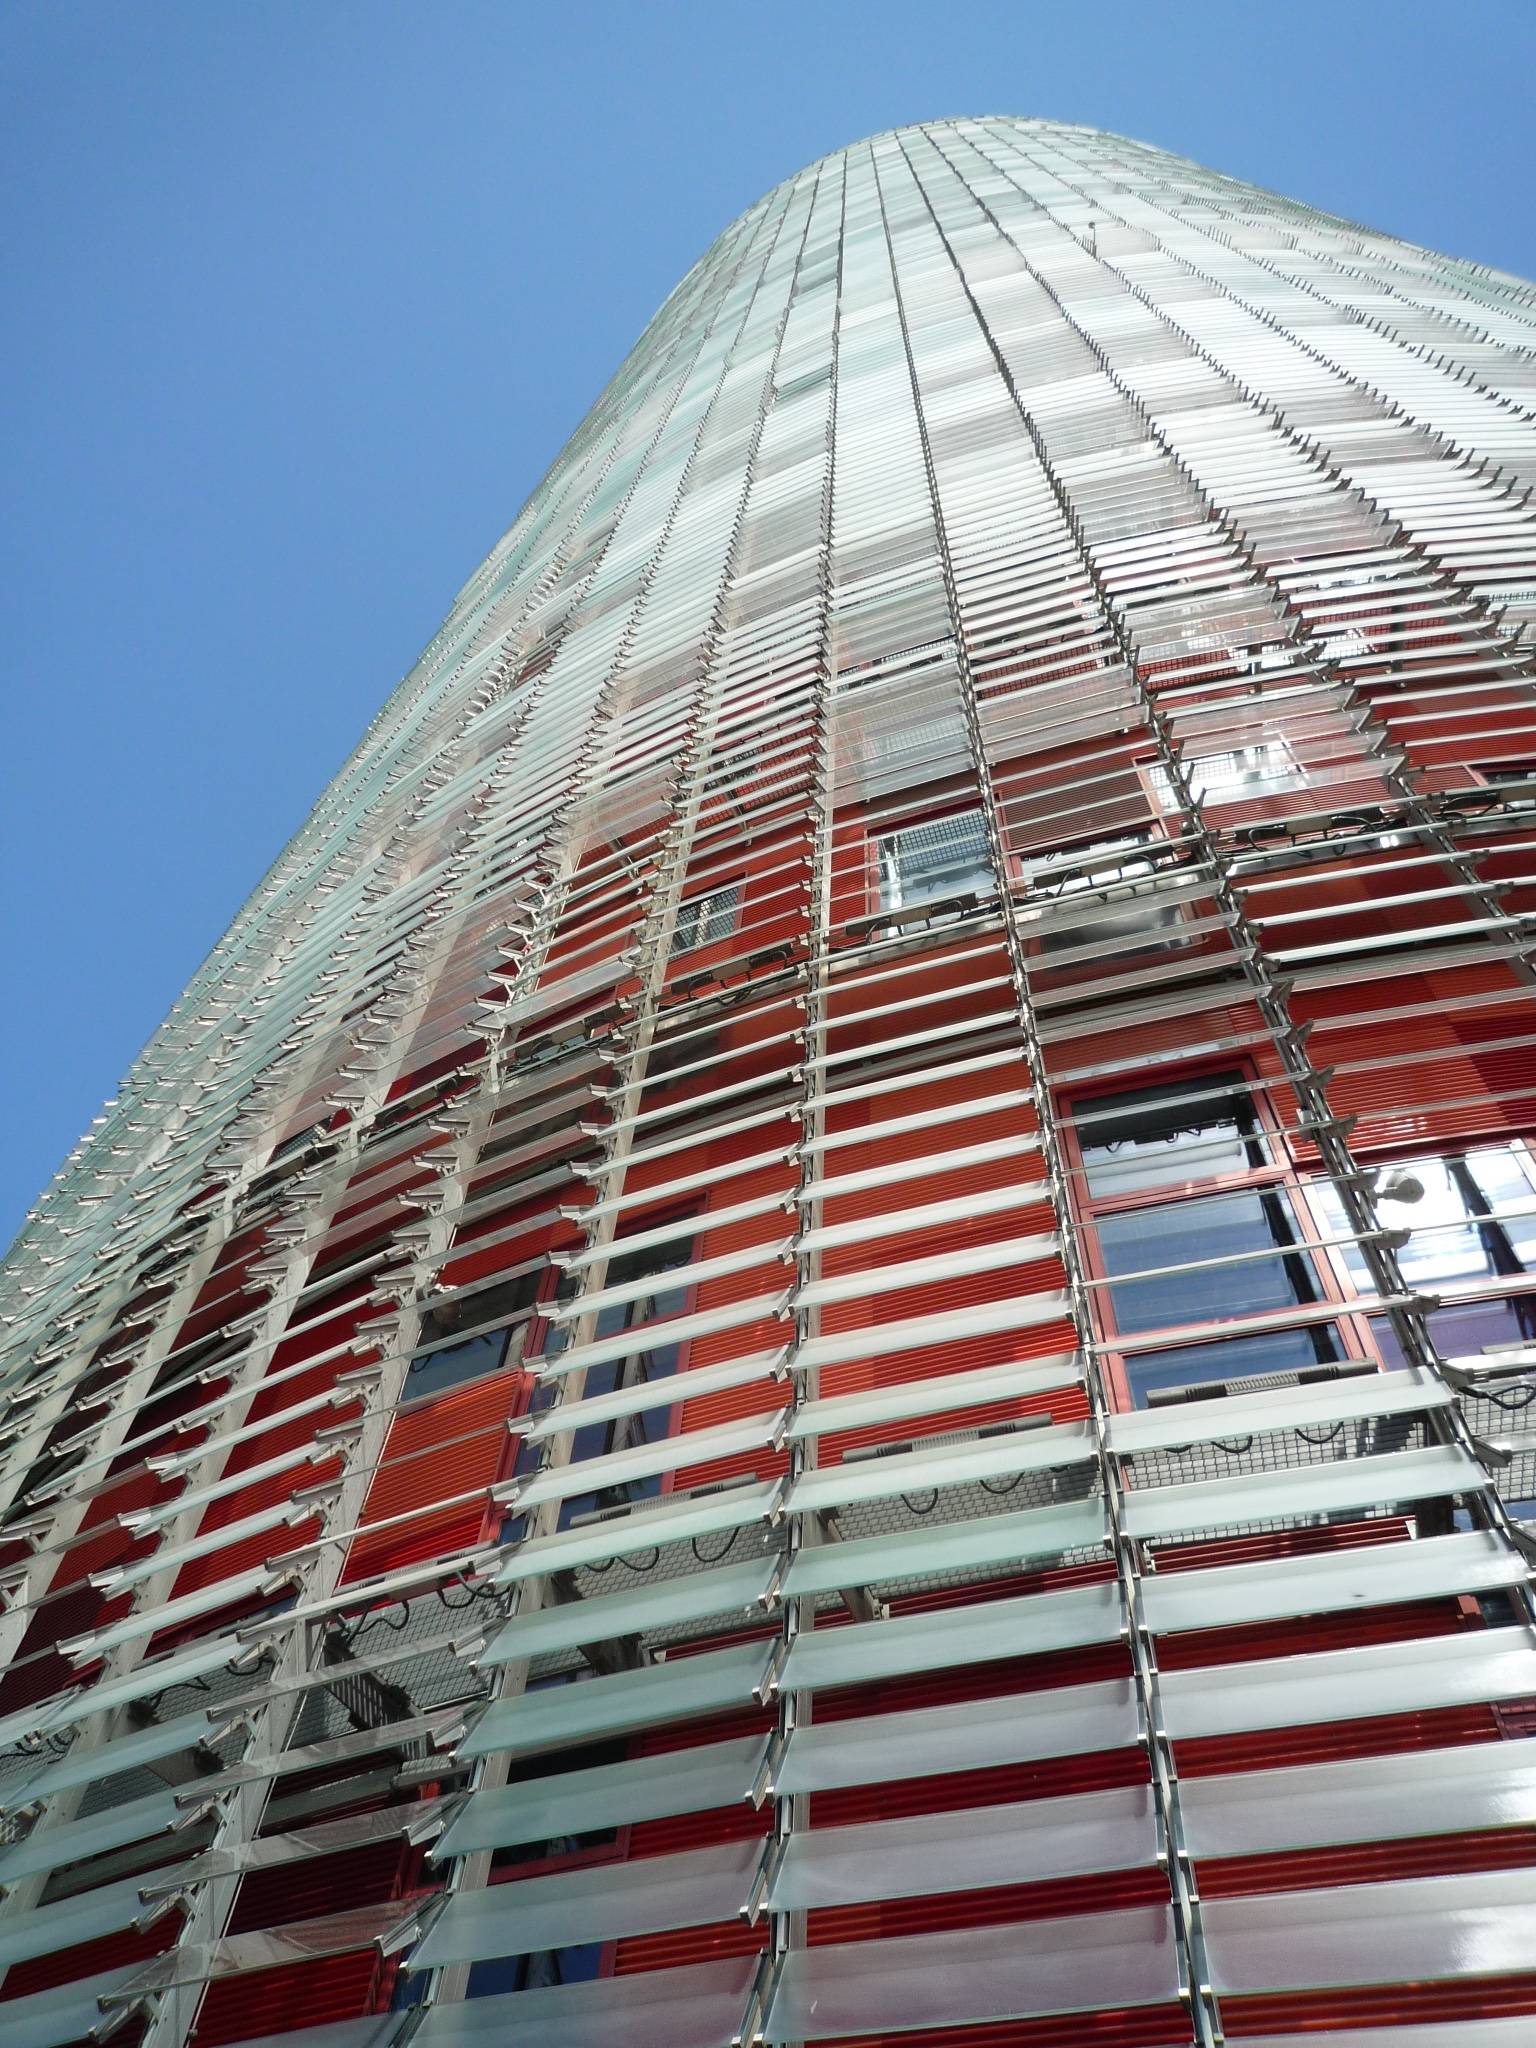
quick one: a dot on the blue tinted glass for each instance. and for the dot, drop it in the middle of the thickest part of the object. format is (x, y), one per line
(1219, 1226)
(1237, 1358)
(1468, 1329)
(455, 1363)
(535, 1972)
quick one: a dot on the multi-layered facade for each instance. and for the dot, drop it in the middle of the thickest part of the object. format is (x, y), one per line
(823, 1326)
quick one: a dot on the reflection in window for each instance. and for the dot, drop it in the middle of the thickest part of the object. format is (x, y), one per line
(660, 1361)
(1216, 1227)
(1136, 921)
(942, 858)
(1160, 1137)
(1265, 769)
(706, 919)
(1206, 1370)
(1472, 1215)
(442, 1364)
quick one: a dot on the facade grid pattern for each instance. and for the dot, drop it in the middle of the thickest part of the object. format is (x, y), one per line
(822, 1327)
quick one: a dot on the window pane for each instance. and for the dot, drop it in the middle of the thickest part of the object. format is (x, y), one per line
(1468, 1329)
(455, 1363)
(1218, 1227)
(1135, 923)
(1457, 1209)
(1201, 1365)
(706, 919)
(1194, 1129)
(945, 857)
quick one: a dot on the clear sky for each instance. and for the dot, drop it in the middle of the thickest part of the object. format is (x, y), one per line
(304, 295)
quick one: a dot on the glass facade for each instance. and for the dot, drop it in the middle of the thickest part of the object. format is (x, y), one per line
(828, 1304)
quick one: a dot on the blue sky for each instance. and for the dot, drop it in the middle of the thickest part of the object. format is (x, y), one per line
(303, 297)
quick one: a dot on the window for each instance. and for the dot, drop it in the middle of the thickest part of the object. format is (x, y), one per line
(1472, 1216)
(1264, 769)
(1244, 1227)
(537, 1972)
(1135, 921)
(441, 1364)
(706, 918)
(1165, 1255)
(1184, 1131)
(649, 1425)
(941, 859)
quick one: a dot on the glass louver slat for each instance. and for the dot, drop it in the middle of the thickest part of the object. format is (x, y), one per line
(1430, 1930)
(699, 2007)
(1000, 1628)
(636, 1610)
(67, 2013)
(677, 1520)
(1476, 1562)
(1019, 1538)
(601, 1903)
(555, 1716)
(129, 1751)
(974, 1735)
(1367, 1799)
(47, 1848)
(1310, 1407)
(977, 1974)
(1345, 1685)
(1154, 1511)
(610, 1795)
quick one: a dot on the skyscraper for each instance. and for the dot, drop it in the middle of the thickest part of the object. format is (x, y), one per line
(822, 1326)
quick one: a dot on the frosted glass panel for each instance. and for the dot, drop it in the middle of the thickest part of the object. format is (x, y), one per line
(72, 1920)
(639, 1607)
(1311, 1407)
(1513, 2033)
(1341, 1685)
(675, 1522)
(952, 1546)
(963, 1635)
(993, 1457)
(1153, 1511)
(688, 2008)
(377, 2031)
(137, 1684)
(47, 2019)
(563, 1714)
(83, 1766)
(1475, 1562)
(46, 1848)
(599, 1903)
(975, 1735)
(968, 1850)
(572, 1802)
(1426, 1931)
(976, 1974)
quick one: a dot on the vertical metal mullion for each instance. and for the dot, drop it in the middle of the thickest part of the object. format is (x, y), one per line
(658, 923)
(791, 1812)
(1183, 1891)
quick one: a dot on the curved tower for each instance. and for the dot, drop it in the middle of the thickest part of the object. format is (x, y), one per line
(821, 1327)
